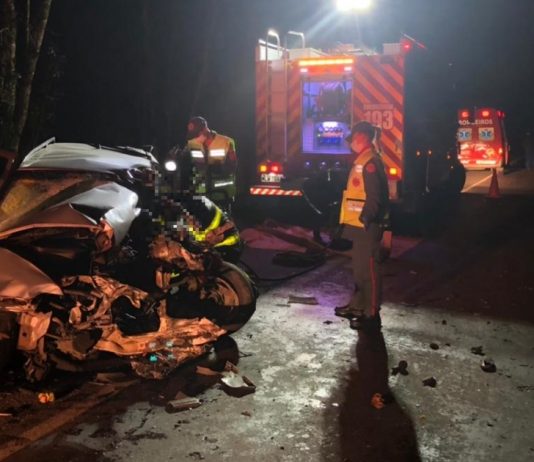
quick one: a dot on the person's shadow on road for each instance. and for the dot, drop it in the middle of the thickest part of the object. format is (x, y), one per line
(363, 432)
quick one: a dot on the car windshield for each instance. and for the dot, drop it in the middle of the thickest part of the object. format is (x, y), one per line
(33, 191)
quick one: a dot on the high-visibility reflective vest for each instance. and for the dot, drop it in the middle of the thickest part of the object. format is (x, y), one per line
(210, 165)
(354, 195)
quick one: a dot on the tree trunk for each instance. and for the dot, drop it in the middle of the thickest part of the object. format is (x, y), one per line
(8, 72)
(35, 25)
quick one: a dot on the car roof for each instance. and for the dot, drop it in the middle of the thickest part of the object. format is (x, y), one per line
(79, 156)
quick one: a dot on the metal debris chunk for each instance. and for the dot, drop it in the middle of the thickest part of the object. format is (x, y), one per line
(182, 402)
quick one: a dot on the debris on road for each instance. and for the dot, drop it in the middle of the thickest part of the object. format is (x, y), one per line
(302, 300)
(430, 382)
(46, 397)
(377, 401)
(487, 365)
(232, 382)
(401, 368)
(246, 414)
(434, 346)
(235, 384)
(328, 322)
(182, 402)
(478, 350)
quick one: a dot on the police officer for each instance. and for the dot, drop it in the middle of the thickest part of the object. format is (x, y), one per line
(213, 161)
(365, 210)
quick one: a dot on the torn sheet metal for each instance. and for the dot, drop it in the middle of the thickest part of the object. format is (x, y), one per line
(33, 326)
(118, 203)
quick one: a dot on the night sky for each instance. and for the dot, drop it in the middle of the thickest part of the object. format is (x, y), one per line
(133, 71)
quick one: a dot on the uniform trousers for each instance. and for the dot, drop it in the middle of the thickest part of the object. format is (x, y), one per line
(367, 269)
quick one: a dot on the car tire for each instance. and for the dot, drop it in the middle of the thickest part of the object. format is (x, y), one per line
(236, 295)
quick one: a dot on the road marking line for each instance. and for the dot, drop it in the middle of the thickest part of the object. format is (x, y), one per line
(67, 415)
(477, 183)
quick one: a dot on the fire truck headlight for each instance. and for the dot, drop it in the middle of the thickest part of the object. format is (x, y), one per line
(170, 166)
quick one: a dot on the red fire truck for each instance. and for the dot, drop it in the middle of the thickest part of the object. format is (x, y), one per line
(482, 139)
(308, 99)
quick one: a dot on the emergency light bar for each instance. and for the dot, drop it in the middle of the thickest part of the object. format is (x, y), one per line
(325, 61)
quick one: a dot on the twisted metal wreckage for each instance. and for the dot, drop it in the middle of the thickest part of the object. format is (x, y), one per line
(93, 262)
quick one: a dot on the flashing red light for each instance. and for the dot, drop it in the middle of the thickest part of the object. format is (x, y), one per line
(464, 114)
(275, 167)
(485, 113)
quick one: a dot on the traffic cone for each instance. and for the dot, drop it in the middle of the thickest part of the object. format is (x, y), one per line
(494, 192)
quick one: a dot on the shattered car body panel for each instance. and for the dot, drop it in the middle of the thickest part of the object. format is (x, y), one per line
(73, 237)
(21, 280)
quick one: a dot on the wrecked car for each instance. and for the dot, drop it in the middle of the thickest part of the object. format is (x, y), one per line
(95, 265)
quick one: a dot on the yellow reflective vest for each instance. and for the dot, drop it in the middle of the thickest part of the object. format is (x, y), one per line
(354, 195)
(212, 171)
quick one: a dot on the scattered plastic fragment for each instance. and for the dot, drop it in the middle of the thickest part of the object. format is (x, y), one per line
(487, 365)
(302, 300)
(430, 382)
(434, 346)
(401, 368)
(234, 384)
(46, 397)
(328, 322)
(478, 350)
(377, 401)
(246, 414)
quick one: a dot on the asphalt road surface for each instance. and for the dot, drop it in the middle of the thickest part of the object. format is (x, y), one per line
(452, 300)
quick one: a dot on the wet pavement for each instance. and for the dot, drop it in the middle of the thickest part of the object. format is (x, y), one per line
(452, 302)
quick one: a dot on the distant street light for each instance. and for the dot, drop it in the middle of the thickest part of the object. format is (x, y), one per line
(353, 5)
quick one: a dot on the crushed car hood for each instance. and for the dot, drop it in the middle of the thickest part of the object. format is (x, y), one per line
(76, 156)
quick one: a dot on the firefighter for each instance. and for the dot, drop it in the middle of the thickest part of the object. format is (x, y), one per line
(364, 211)
(213, 162)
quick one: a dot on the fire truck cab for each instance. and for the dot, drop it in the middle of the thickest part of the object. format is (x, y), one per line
(481, 139)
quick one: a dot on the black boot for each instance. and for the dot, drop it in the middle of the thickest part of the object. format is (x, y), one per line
(347, 311)
(366, 323)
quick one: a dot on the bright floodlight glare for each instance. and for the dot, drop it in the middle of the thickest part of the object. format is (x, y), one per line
(350, 5)
(170, 166)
